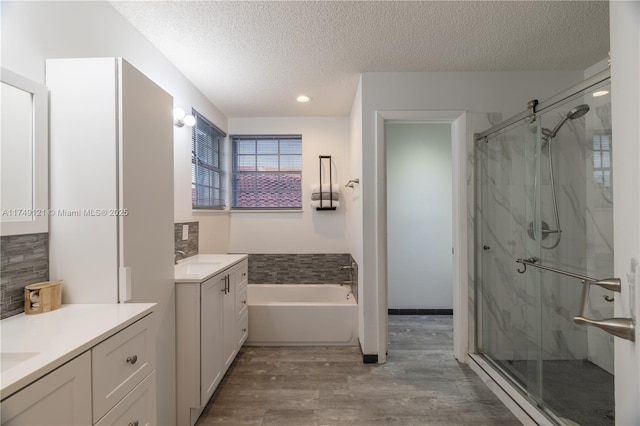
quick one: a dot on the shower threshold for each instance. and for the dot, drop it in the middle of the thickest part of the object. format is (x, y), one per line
(583, 408)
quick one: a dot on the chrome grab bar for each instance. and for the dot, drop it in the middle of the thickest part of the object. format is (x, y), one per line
(621, 327)
(612, 284)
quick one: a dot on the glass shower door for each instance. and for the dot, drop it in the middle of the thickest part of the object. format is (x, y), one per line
(510, 308)
(577, 360)
(544, 191)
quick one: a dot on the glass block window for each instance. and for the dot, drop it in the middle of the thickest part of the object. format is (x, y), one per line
(207, 165)
(267, 172)
(602, 160)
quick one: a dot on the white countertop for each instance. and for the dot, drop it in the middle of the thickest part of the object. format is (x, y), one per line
(201, 267)
(33, 345)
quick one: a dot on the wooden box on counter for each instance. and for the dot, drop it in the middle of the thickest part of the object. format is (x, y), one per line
(42, 297)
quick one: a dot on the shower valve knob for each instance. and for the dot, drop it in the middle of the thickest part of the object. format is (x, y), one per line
(485, 247)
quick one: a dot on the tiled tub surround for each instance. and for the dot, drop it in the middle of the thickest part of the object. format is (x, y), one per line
(25, 260)
(316, 268)
(190, 245)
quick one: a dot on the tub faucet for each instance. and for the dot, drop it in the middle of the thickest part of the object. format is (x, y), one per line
(179, 255)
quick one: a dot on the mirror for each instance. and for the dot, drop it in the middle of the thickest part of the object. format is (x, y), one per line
(23, 155)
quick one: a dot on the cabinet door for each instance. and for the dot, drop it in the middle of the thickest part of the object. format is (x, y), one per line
(83, 247)
(62, 397)
(146, 193)
(212, 296)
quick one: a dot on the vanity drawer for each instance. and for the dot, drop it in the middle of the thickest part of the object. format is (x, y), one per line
(120, 363)
(244, 276)
(243, 328)
(242, 301)
(138, 408)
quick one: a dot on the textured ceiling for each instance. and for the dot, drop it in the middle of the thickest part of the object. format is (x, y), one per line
(253, 58)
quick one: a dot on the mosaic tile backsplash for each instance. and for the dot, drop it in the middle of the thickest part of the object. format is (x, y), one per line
(190, 245)
(25, 260)
(316, 268)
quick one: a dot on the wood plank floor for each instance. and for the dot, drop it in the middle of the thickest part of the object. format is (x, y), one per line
(421, 384)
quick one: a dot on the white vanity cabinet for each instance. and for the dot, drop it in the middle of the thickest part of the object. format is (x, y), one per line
(207, 337)
(110, 382)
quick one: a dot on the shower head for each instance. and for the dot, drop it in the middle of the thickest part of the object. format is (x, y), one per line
(578, 111)
(573, 113)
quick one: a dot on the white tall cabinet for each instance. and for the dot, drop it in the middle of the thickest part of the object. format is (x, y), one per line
(111, 195)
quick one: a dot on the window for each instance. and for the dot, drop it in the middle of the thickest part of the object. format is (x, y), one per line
(207, 174)
(602, 160)
(267, 172)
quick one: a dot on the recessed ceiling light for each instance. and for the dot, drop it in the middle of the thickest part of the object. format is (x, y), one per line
(303, 98)
(600, 93)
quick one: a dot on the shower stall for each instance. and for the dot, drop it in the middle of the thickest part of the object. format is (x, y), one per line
(544, 240)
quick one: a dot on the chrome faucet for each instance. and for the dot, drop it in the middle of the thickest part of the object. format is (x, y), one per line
(179, 255)
(349, 268)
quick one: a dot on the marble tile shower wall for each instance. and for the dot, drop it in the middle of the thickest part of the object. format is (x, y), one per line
(316, 268)
(190, 245)
(25, 260)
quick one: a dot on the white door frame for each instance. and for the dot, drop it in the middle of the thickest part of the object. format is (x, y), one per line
(458, 121)
(624, 26)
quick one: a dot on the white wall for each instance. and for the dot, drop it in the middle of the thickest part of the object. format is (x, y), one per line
(355, 197)
(625, 108)
(33, 31)
(308, 231)
(419, 215)
(471, 91)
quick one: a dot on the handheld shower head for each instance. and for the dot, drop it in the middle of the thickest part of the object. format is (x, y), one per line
(573, 113)
(578, 111)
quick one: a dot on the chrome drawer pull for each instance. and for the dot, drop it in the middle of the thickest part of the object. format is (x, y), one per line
(133, 423)
(132, 360)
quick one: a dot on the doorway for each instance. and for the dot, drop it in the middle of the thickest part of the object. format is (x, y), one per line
(459, 139)
(419, 218)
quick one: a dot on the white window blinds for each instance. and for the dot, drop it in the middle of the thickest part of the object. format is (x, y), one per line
(207, 171)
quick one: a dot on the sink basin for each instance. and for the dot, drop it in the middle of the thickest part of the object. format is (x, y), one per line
(196, 268)
(9, 360)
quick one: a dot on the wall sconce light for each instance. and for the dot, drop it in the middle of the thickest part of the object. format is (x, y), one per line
(180, 118)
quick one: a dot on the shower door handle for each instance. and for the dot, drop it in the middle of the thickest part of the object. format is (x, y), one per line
(620, 327)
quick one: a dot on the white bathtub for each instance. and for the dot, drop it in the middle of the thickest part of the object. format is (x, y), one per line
(301, 315)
